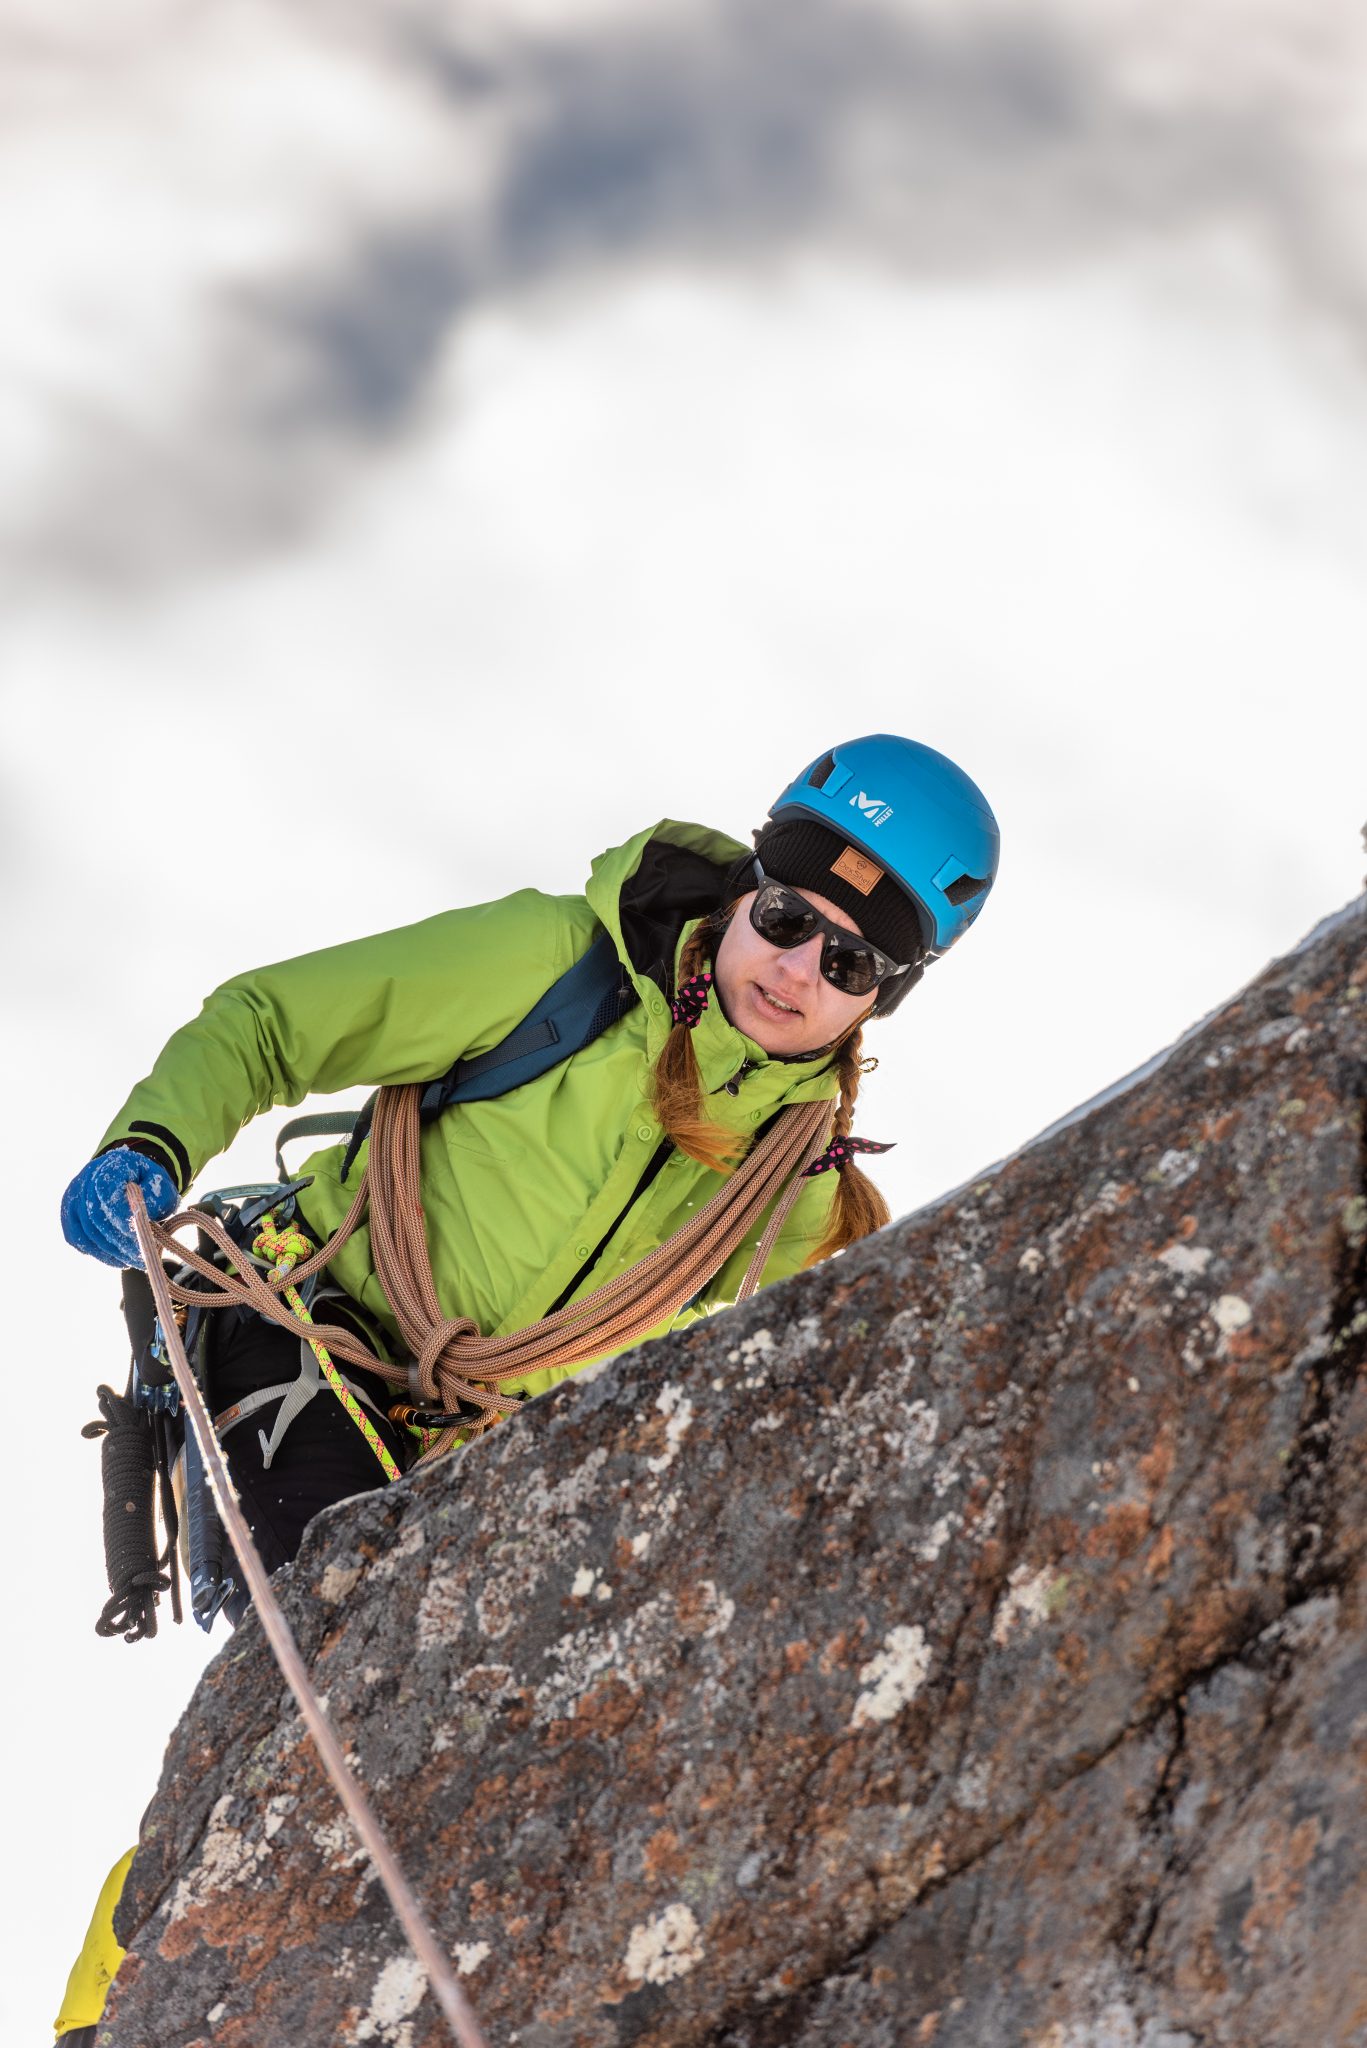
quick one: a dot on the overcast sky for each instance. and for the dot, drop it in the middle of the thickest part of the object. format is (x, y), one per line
(439, 440)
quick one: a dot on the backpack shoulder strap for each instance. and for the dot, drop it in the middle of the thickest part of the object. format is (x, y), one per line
(576, 1009)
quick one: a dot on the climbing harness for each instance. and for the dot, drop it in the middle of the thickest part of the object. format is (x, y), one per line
(441, 1978)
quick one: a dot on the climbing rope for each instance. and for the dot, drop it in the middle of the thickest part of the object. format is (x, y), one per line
(441, 1977)
(285, 1248)
(455, 1369)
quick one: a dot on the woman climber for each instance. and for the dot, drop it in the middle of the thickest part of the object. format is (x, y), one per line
(742, 981)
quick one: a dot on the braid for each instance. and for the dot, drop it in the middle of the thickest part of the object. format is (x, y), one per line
(858, 1208)
(677, 1083)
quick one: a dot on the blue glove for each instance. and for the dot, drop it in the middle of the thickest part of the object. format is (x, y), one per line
(95, 1213)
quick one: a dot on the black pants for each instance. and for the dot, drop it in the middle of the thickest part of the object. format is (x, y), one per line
(323, 1456)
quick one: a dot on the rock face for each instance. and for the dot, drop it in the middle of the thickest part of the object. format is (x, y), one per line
(963, 1643)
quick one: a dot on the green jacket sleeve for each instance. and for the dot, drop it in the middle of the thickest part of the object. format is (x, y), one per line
(396, 1007)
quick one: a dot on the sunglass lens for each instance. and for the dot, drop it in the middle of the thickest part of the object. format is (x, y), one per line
(786, 919)
(782, 917)
(851, 969)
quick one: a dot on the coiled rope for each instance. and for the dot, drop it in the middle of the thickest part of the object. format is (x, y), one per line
(137, 1571)
(455, 1369)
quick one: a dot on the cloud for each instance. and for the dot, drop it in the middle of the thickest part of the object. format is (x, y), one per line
(514, 160)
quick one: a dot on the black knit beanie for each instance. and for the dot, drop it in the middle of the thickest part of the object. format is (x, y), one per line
(806, 855)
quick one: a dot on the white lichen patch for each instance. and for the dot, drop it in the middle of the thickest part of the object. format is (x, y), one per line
(215, 2013)
(723, 1609)
(337, 1581)
(583, 1582)
(441, 1609)
(1231, 1313)
(764, 1423)
(676, 1407)
(278, 1810)
(395, 1558)
(973, 1786)
(567, 1496)
(1189, 1260)
(893, 1677)
(336, 1843)
(1176, 1166)
(226, 1859)
(398, 1991)
(640, 1543)
(868, 1433)
(1030, 1260)
(751, 1348)
(920, 1428)
(752, 1352)
(936, 1538)
(635, 1651)
(664, 1947)
(1025, 1602)
(469, 1955)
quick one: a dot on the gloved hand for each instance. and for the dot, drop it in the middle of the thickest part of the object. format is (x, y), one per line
(95, 1213)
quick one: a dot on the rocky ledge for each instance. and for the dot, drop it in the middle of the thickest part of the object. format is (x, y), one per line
(961, 1644)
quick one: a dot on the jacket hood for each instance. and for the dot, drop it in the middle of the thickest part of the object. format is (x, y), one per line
(645, 892)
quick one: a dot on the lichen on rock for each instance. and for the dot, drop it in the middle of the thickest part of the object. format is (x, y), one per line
(1005, 1687)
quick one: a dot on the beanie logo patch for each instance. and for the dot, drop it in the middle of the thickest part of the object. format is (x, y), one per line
(856, 869)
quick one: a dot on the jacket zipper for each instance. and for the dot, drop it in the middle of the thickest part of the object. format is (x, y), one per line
(652, 1168)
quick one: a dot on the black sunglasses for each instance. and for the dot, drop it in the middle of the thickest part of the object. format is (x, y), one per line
(785, 920)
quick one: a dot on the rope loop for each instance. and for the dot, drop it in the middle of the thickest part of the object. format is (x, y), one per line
(284, 1248)
(457, 1370)
(427, 1371)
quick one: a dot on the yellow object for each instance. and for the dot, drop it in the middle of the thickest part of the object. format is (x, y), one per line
(287, 1247)
(93, 1971)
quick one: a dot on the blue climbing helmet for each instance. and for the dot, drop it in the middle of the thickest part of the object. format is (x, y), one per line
(919, 817)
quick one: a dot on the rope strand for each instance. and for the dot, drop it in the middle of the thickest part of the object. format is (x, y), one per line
(441, 1978)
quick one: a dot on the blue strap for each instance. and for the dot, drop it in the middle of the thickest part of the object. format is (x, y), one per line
(574, 1011)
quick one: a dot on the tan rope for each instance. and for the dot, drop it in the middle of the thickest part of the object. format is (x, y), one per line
(455, 1365)
(456, 2008)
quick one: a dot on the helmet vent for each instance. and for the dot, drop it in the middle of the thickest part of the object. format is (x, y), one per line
(821, 774)
(965, 889)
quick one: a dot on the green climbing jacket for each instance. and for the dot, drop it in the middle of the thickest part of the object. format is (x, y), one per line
(521, 1191)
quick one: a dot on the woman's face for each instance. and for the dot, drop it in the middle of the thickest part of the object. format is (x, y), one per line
(781, 999)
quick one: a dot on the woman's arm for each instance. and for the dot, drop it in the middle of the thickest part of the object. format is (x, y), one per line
(399, 1006)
